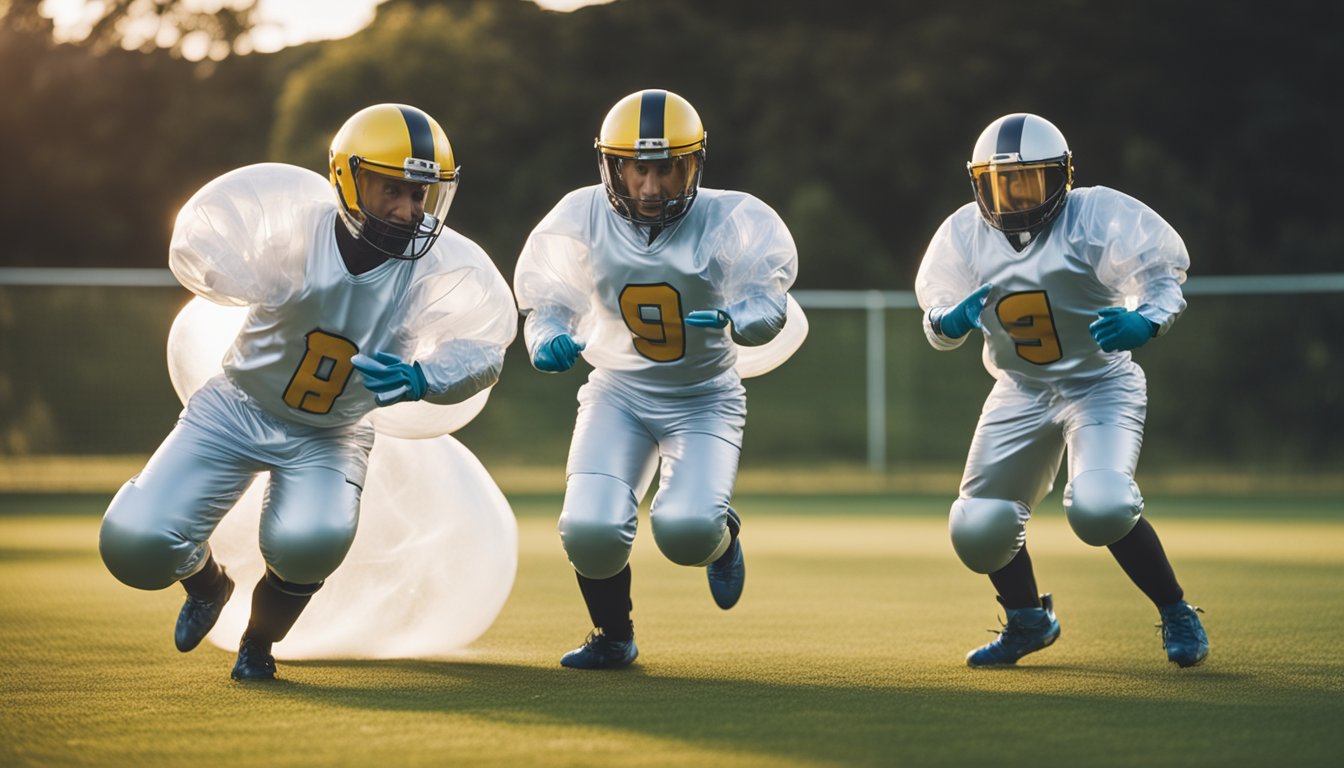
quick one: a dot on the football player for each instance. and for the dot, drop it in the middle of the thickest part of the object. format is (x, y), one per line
(357, 300)
(1062, 283)
(655, 281)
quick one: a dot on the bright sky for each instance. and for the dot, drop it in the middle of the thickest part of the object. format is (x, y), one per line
(280, 23)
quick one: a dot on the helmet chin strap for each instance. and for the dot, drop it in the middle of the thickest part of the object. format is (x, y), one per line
(666, 219)
(389, 239)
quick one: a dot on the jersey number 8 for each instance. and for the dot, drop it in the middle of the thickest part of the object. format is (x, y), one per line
(322, 373)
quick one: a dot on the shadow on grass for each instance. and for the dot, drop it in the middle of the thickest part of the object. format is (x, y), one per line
(860, 724)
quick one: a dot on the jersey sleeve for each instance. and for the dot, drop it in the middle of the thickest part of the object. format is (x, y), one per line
(244, 237)
(462, 317)
(757, 261)
(943, 280)
(553, 278)
(1136, 253)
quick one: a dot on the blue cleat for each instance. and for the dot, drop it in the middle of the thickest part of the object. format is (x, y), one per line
(255, 661)
(198, 617)
(728, 574)
(601, 652)
(1028, 630)
(1183, 634)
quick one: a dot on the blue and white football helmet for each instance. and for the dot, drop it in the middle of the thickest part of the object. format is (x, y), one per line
(1021, 169)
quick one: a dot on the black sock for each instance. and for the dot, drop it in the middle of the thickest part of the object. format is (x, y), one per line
(206, 583)
(1016, 582)
(609, 604)
(276, 605)
(734, 528)
(1141, 556)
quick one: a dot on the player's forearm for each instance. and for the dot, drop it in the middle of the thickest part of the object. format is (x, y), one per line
(1162, 302)
(460, 369)
(759, 319)
(936, 339)
(545, 323)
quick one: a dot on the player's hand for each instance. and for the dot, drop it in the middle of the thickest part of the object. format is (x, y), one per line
(1119, 329)
(959, 320)
(390, 379)
(708, 318)
(558, 354)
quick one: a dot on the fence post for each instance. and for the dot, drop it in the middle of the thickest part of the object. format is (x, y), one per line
(877, 381)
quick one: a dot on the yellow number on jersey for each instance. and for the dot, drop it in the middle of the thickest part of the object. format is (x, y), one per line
(653, 314)
(1026, 317)
(322, 373)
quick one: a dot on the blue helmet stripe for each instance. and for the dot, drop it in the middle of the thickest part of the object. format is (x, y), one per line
(1010, 136)
(422, 138)
(652, 109)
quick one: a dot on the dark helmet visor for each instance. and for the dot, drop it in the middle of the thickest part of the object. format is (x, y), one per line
(1017, 188)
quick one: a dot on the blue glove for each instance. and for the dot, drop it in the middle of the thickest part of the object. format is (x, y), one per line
(390, 379)
(959, 320)
(708, 318)
(1119, 329)
(558, 354)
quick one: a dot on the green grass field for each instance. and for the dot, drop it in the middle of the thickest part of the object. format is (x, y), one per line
(846, 650)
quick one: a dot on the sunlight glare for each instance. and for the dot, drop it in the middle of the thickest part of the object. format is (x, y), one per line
(278, 23)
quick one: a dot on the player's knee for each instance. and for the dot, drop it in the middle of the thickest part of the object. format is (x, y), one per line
(137, 547)
(987, 533)
(686, 536)
(1102, 505)
(598, 549)
(597, 524)
(306, 554)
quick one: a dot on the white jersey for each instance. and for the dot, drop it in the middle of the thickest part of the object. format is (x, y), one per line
(589, 273)
(265, 236)
(1105, 249)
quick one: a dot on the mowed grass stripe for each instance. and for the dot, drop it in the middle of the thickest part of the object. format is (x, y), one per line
(846, 650)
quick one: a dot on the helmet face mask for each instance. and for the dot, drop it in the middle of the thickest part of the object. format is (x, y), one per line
(1021, 170)
(400, 144)
(676, 180)
(401, 240)
(651, 153)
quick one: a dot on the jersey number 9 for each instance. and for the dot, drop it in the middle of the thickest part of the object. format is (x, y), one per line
(653, 314)
(1026, 317)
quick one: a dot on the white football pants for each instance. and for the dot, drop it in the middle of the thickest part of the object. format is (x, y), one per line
(157, 529)
(619, 437)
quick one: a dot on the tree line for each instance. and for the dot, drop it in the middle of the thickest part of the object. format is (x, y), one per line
(853, 120)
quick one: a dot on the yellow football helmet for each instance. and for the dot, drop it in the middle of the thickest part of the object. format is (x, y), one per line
(652, 127)
(399, 142)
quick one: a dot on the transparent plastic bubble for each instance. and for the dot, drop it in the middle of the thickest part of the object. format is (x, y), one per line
(757, 361)
(430, 569)
(203, 331)
(436, 551)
